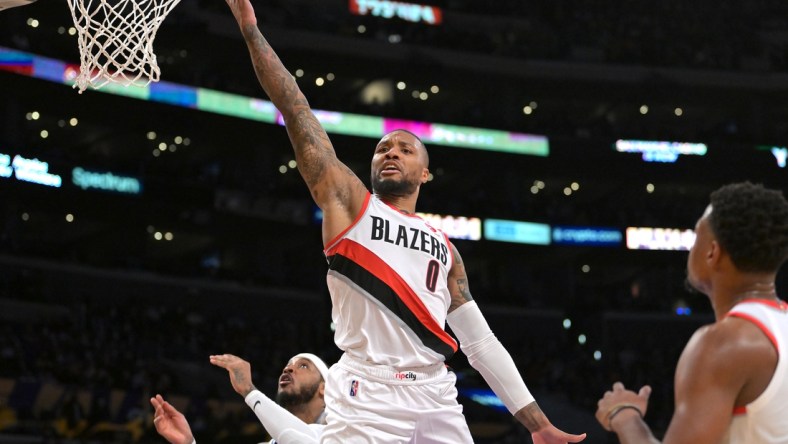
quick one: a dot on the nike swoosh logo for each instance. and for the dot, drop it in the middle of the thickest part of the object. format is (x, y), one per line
(255, 405)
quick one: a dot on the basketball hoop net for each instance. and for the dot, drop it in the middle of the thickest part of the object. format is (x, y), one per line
(116, 40)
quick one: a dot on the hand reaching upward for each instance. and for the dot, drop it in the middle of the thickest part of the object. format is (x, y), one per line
(243, 12)
(170, 423)
(240, 372)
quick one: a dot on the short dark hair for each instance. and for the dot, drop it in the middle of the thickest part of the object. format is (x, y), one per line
(751, 224)
(421, 142)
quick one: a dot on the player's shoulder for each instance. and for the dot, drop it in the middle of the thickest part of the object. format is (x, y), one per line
(730, 340)
(729, 330)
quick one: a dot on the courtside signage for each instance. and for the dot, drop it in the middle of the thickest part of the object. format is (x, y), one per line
(411, 12)
(105, 181)
(517, 232)
(590, 236)
(655, 151)
(28, 170)
(456, 227)
(264, 111)
(649, 238)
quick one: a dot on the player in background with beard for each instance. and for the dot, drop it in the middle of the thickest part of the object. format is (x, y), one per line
(297, 416)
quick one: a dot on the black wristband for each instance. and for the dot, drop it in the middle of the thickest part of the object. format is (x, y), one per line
(616, 409)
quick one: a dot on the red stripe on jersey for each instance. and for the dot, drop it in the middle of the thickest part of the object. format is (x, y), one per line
(381, 270)
(773, 303)
(344, 232)
(740, 410)
(758, 324)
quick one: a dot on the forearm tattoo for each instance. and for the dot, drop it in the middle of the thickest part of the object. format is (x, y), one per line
(531, 417)
(311, 144)
(242, 382)
(462, 294)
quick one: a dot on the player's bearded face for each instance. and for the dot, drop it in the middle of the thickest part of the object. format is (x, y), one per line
(399, 165)
(294, 396)
(393, 186)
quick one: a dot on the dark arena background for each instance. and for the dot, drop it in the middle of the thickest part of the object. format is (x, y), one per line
(573, 146)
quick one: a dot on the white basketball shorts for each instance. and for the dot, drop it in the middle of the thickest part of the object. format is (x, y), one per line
(368, 403)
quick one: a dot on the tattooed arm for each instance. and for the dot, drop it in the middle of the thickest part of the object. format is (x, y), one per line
(458, 281)
(487, 355)
(240, 372)
(334, 187)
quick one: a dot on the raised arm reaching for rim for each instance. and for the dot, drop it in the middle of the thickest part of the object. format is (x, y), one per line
(334, 187)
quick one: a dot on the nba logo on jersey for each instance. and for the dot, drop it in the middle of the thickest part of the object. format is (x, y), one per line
(353, 387)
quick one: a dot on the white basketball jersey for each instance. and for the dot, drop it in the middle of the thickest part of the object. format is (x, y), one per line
(388, 275)
(765, 420)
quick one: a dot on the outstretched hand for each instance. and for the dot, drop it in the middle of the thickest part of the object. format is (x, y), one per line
(243, 12)
(623, 403)
(550, 434)
(542, 430)
(170, 423)
(240, 372)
